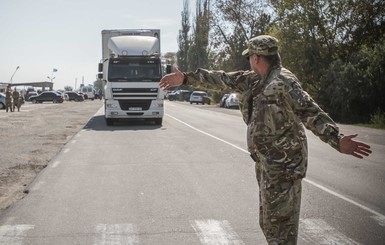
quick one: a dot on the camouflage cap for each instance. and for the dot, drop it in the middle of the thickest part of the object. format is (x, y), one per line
(262, 45)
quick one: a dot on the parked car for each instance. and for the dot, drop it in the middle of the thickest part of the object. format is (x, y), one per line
(200, 97)
(232, 101)
(29, 94)
(47, 96)
(179, 95)
(85, 96)
(223, 100)
(2, 101)
(72, 96)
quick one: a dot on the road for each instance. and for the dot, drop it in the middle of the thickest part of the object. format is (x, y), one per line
(190, 181)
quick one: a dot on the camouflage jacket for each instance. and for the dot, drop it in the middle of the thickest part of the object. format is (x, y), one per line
(276, 109)
(8, 96)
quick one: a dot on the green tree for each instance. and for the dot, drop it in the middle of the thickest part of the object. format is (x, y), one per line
(68, 88)
(320, 41)
(99, 84)
(353, 90)
(234, 23)
(198, 52)
(183, 38)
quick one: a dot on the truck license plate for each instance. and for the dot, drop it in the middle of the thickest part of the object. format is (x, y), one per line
(135, 108)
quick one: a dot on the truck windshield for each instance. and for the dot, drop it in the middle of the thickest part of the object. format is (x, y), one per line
(134, 70)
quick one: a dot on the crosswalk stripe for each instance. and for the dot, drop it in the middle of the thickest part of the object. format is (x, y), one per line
(317, 231)
(209, 232)
(13, 234)
(215, 232)
(116, 234)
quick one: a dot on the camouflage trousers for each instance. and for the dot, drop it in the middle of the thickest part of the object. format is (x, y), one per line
(8, 105)
(279, 206)
(16, 104)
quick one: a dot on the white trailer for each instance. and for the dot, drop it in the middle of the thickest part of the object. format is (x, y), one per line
(131, 69)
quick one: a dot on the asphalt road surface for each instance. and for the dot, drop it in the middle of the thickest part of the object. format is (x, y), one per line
(190, 181)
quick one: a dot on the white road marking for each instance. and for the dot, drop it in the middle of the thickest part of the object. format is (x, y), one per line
(317, 231)
(13, 234)
(116, 234)
(38, 185)
(215, 232)
(380, 218)
(210, 135)
(66, 150)
(55, 164)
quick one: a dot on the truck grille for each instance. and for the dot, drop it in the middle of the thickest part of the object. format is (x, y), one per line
(127, 104)
(135, 93)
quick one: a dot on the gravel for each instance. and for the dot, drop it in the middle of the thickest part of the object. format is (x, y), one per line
(29, 139)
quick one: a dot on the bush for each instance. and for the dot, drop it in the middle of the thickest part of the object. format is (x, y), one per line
(377, 119)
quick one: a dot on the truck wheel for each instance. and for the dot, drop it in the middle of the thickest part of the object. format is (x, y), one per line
(158, 121)
(109, 121)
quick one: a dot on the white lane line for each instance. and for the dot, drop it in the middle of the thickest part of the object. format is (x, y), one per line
(55, 164)
(215, 232)
(210, 135)
(13, 234)
(317, 231)
(116, 234)
(380, 218)
(38, 185)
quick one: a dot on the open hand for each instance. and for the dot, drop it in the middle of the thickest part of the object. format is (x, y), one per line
(172, 80)
(354, 148)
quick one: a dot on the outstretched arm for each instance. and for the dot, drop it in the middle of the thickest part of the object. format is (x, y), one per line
(354, 148)
(172, 80)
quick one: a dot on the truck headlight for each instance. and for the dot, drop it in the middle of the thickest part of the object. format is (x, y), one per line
(111, 106)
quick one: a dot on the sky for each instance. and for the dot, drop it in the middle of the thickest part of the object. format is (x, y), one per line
(39, 36)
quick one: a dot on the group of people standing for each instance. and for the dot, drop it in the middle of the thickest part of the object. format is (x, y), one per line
(13, 100)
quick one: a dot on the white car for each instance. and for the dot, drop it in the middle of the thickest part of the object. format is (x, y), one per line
(199, 97)
(2, 101)
(232, 101)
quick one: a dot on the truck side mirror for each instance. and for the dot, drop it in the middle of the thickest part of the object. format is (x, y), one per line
(168, 69)
(100, 67)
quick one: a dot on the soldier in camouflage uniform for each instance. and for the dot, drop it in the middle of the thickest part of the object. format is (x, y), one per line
(276, 110)
(16, 100)
(8, 99)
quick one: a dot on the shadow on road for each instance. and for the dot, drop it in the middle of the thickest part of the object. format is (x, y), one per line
(98, 123)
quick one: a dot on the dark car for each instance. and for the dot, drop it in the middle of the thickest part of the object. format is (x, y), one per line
(73, 96)
(47, 96)
(30, 94)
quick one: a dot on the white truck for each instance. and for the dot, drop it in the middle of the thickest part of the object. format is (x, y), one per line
(131, 69)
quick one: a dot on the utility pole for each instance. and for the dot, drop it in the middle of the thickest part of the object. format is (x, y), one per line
(17, 68)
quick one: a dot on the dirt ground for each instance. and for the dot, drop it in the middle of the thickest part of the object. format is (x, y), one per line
(29, 139)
